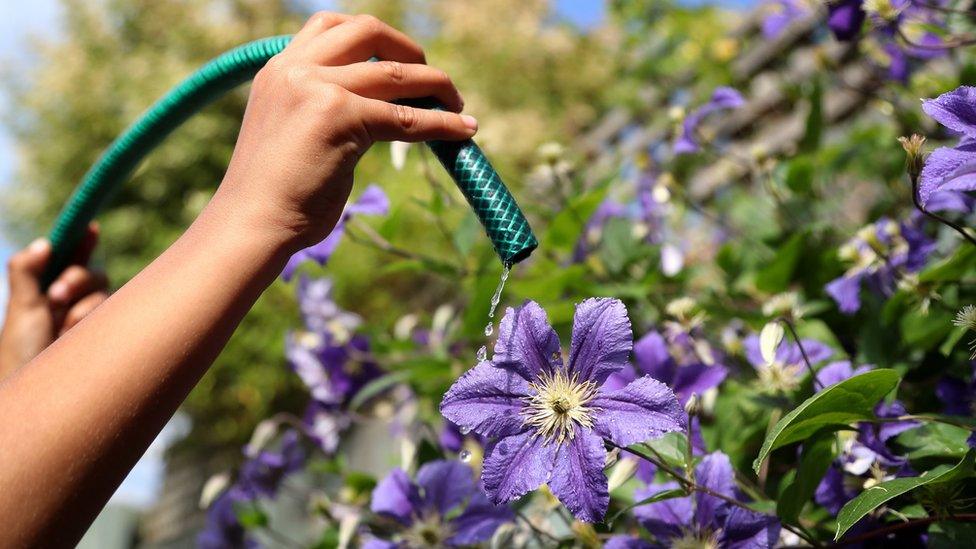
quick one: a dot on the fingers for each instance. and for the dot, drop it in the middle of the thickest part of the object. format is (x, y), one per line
(316, 25)
(75, 283)
(391, 122)
(391, 80)
(83, 308)
(359, 39)
(24, 271)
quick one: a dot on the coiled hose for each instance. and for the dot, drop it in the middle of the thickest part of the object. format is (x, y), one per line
(495, 206)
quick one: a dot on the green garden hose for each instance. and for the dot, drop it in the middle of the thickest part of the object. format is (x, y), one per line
(504, 222)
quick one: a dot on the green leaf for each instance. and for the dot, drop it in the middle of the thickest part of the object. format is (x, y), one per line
(467, 233)
(776, 275)
(834, 408)
(250, 516)
(874, 497)
(660, 496)
(673, 449)
(377, 386)
(952, 268)
(818, 453)
(815, 119)
(934, 440)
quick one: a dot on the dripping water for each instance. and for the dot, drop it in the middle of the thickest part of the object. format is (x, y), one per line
(465, 456)
(498, 292)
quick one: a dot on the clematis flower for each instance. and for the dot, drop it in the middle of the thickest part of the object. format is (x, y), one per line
(951, 169)
(324, 424)
(223, 529)
(321, 314)
(877, 254)
(652, 357)
(332, 373)
(549, 419)
(262, 474)
(788, 368)
(373, 201)
(419, 510)
(845, 19)
(780, 14)
(723, 98)
(701, 520)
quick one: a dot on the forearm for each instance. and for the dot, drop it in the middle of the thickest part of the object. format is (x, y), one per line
(89, 406)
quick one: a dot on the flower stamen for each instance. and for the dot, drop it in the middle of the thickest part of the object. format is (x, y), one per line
(559, 403)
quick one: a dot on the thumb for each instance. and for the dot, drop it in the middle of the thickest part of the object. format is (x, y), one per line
(25, 270)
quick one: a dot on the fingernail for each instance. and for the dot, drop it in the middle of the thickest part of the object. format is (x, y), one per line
(58, 292)
(39, 245)
(469, 121)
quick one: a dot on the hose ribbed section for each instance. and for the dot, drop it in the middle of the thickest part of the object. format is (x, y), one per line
(467, 165)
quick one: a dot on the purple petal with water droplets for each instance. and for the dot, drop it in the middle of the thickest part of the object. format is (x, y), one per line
(644, 409)
(577, 476)
(602, 339)
(515, 465)
(955, 110)
(487, 400)
(527, 344)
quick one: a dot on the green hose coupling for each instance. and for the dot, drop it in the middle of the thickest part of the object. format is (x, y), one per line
(495, 206)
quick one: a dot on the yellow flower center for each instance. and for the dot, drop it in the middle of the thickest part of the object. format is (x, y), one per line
(692, 541)
(558, 404)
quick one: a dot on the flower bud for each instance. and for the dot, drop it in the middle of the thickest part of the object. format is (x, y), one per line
(914, 154)
(693, 406)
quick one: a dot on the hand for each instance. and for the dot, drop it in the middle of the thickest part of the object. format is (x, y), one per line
(35, 318)
(313, 111)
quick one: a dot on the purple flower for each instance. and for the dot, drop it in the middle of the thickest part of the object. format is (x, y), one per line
(320, 313)
(846, 18)
(957, 395)
(332, 373)
(420, 509)
(723, 98)
(324, 424)
(702, 519)
(877, 253)
(652, 357)
(262, 474)
(373, 201)
(951, 169)
(550, 419)
(788, 367)
(780, 14)
(224, 529)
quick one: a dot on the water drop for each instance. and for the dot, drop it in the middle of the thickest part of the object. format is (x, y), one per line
(489, 329)
(464, 430)
(465, 456)
(482, 354)
(498, 292)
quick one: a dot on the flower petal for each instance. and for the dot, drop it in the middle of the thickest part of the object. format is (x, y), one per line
(446, 484)
(715, 473)
(667, 518)
(644, 409)
(835, 372)
(955, 110)
(652, 358)
(846, 292)
(627, 542)
(947, 169)
(515, 465)
(397, 496)
(747, 529)
(696, 379)
(373, 201)
(602, 339)
(487, 400)
(577, 476)
(527, 344)
(479, 521)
